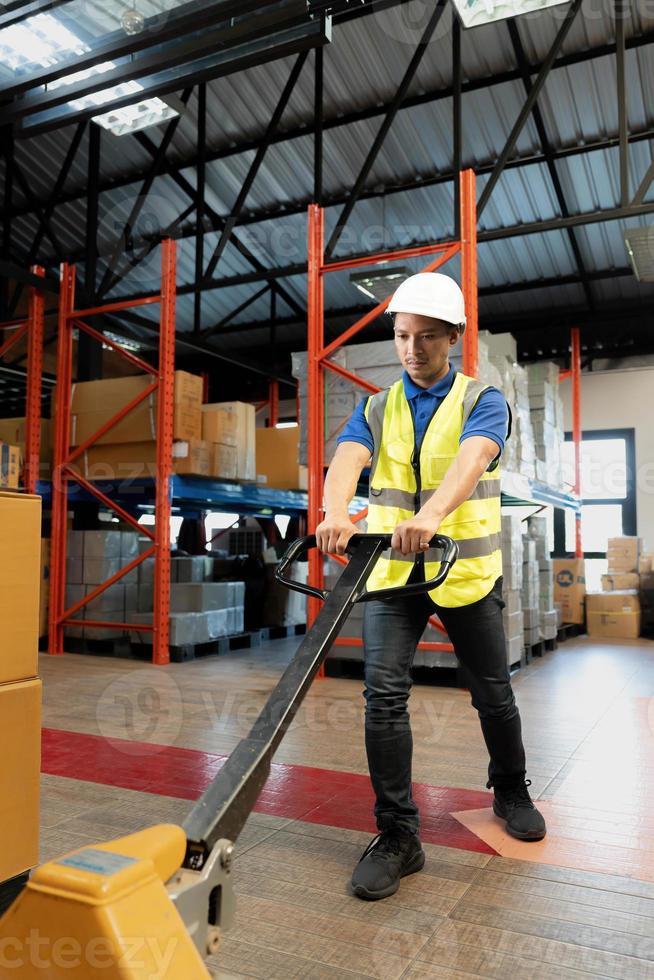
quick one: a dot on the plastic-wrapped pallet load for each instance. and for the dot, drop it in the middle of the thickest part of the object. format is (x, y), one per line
(546, 419)
(512, 584)
(538, 531)
(530, 592)
(94, 557)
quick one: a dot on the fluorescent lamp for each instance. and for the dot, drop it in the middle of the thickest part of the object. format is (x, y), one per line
(380, 284)
(476, 12)
(44, 40)
(286, 425)
(640, 248)
(123, 342)
(39, 40)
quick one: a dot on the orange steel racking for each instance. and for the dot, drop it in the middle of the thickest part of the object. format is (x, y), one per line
(32, 329)
(574, 372)
(318, 355)
(63, 471)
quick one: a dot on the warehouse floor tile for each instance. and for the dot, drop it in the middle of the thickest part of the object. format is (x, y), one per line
(127, 745)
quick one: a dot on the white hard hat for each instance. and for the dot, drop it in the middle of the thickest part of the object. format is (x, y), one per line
(430, 294)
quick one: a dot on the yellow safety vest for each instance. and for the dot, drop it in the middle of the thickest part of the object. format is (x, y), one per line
(403, 477)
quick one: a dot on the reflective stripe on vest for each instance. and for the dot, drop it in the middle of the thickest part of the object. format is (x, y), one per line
(398, 490)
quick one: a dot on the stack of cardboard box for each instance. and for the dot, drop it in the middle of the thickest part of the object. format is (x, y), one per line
(229, 429)
(210, 440)
(570, 588)
(20, 687)
(547, 420)
(511, 587)
(530, 592)
(616, 611)
(93, 557)
(547, 619)
(613, 615)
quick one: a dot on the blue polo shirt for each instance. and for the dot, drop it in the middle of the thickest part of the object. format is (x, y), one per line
(489, 417)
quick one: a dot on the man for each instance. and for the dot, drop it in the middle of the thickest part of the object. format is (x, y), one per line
(435, 438)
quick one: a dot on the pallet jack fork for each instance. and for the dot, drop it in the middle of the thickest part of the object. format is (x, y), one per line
(153, 905)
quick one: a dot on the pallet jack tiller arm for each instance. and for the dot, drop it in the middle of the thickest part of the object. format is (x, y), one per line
(191, 866)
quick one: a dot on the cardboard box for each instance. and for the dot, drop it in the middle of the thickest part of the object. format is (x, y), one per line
(278, 457)
(20, 736)
(10, 466)
(622, 601)
(94, 403)
(570, 588)
(13, 432)
(134, 460)
(20, 577)
(620, 580)
(245, 416)
(219, 425)
(623, 554)
(224, 460)
(193, 457)
(614, 625)
(645, 563)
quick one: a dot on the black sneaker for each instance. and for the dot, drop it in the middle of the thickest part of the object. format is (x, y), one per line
(515, 805)
(388, 857)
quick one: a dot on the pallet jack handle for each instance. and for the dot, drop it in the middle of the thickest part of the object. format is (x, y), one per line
(447, 546)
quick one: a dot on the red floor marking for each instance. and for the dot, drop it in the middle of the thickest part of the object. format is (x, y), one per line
(320, 796)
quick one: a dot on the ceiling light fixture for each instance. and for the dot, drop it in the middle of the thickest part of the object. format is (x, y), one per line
(39, 40)
(473, 13)
(378, 285)
(640, 249)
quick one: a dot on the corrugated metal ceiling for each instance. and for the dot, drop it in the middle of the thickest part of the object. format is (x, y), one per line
(363, 67)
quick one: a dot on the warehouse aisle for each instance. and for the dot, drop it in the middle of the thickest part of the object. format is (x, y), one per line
(579, 903)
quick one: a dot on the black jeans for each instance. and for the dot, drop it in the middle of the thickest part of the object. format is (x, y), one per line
(391, 631)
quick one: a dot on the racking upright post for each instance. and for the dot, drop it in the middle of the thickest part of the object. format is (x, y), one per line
(36, 317)
(32, 330)
(576, 428)
(318, 355)
(64, 457)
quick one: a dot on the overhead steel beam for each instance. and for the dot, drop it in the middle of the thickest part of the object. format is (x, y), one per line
(40, 211)
(457, 122)
(525, 112)
(89, 351)
(191, 17)
(645, 185)
(137, 207)
(200, 201)
(318, 110)
(370, 112)
(218, 328)
(384, 128)
(620, 10)
(523, 64)
(170, 79)
(256, 164)
(512, 231)
(14, 11)
(216, 222)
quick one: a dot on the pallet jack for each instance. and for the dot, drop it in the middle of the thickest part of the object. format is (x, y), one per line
(153, 904)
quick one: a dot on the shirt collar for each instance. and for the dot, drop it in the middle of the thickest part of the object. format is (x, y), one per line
(438, 390)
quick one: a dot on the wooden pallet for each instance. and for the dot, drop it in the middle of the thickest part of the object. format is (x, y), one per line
(282, 632)
(568, 630)
(118, 646)
(219, 646)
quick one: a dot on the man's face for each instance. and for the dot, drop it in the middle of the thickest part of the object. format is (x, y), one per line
(423, 345)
